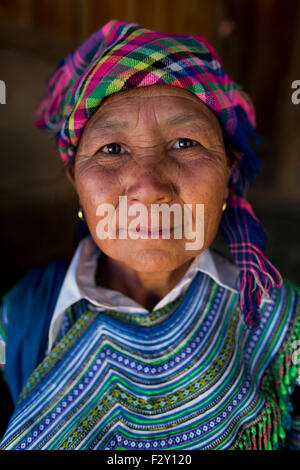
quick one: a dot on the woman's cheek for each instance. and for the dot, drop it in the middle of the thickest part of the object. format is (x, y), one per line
(206, 173)
(95, 184)
(211, 195)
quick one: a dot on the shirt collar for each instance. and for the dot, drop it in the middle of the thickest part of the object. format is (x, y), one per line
(79, 283)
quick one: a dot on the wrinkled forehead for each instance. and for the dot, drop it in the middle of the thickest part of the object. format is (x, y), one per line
(172, 104)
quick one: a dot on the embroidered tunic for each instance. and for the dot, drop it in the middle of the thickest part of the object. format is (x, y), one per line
(186, 376)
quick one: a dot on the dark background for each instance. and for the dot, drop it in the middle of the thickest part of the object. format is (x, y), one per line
(258, 42)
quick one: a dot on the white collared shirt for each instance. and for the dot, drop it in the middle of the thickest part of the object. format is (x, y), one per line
(80, 283)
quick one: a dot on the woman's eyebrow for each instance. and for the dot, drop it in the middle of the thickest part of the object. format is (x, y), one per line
(186, 118)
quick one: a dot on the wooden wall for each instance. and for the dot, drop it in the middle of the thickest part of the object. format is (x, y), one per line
(70, 19)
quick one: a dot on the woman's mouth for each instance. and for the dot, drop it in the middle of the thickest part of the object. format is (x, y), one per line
(151, 233)
(155, 232)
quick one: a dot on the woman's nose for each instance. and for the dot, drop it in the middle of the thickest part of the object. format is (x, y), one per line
(149, 188)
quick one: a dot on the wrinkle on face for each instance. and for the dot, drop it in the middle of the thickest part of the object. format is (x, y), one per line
(146, 122)
(147, 125)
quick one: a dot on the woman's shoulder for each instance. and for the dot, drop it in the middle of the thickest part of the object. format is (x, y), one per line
(280, 330)
(286, 301)
(291, 285)
(279, 308)
(32, 299)
(25, 314)
(38, 284)
(38, 277)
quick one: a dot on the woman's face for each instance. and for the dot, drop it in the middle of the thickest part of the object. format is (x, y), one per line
(154, 145)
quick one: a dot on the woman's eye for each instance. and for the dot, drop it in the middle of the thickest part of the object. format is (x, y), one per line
(113, 148)
(185, 143)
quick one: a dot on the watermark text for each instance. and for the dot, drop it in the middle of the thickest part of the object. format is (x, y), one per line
(132, 222)
(2, 92)
(296, 94)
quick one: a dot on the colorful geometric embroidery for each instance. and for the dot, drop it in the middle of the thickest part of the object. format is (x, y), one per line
(196, 379)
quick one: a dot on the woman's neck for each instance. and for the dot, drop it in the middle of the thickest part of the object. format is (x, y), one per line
(145, 290)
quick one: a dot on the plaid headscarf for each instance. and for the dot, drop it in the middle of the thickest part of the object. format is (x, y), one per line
(122, 56)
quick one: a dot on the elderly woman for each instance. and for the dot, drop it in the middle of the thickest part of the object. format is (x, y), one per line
(150, 339)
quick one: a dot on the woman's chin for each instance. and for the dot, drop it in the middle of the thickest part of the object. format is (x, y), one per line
(148, 255)
(154, 259)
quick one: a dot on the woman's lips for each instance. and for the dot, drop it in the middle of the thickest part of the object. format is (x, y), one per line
(158, 232)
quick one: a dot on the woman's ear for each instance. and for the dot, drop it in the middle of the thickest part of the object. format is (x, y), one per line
(69, 172)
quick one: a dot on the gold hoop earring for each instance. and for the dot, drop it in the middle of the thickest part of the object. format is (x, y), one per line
(224, 206)
(80, 214)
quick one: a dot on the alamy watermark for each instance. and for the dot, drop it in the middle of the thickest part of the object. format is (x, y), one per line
(2, 92)
(296, 94)
(138, 227)
(2, 353)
